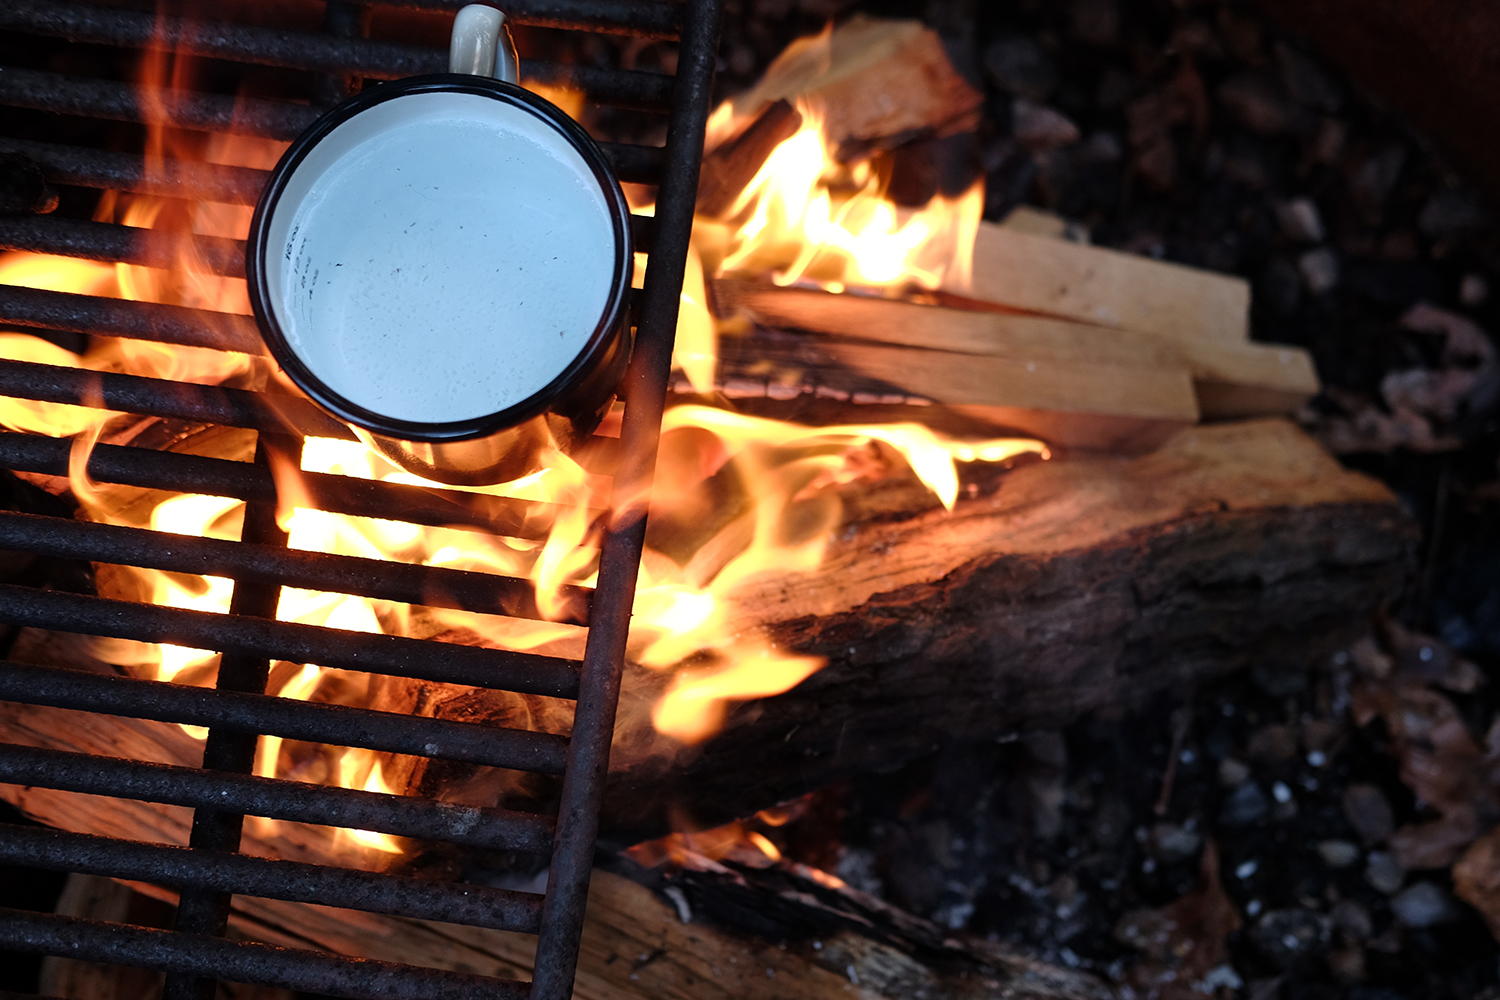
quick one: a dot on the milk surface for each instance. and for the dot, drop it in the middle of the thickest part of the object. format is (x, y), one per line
(443, 256)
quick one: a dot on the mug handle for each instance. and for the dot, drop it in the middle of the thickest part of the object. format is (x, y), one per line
(482, 45)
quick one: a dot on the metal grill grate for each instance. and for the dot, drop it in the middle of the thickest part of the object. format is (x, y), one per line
(238, 711)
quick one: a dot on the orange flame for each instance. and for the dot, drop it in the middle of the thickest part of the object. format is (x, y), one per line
(803, 218)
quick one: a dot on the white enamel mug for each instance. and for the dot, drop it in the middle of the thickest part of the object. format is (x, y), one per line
(443, 263)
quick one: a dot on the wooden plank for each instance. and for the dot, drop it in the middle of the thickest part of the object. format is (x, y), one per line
(1106, 287)
(636, 946)
(1074, 384)
(1231, 378)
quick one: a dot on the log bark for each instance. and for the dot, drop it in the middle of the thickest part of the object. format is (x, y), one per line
(1076, 585)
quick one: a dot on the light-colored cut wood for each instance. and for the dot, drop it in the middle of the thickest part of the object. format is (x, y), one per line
(1074, 384)
(635, 946)
(1107, 287)
(870, 80)
(1036, 221)
(1231, 379)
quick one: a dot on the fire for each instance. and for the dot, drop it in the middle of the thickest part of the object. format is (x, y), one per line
(807, 217)
(736, 495)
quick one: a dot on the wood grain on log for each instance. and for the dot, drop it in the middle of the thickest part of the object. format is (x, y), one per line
(1078, 584)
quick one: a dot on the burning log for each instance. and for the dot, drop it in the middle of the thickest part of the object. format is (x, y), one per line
(874, 83)
(1076, 585)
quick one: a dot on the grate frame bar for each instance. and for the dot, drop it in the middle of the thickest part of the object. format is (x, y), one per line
(250, 714)
(277, 798)
(296, 881)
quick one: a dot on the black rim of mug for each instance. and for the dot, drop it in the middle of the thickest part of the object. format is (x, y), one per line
(595, 350)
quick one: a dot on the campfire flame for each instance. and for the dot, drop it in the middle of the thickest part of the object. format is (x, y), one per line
(804, 217)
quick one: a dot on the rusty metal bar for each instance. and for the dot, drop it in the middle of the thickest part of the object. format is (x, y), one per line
(425, 659)
(337, 494)
(243, 961)
(432, 586)
(295, 801)
(364, 57)
(243, 713)
(645, 395)
(181, 868)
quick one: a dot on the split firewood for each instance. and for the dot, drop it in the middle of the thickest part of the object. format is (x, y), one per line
(1072, 383)
(1049, 364)
(1075, 584)
(637, 945)
(875, 83)
(730, 167)
(1204, 315)
(1036, 221)
(95, 898)
(1092, 284)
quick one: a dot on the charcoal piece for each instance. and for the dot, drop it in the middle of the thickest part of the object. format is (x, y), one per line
(1019, 65)
(1369, 812)
(1338, 853)
(1300, 221)
(1281, 287)
(1095, 22)
(1307, 84)
(1352, 919)
(1040, 128)
(1384, 872)
(23, 188)
(922, 170)
(1424, 904)
(1320, 270)
(1286, 937)
(1170, 843)
(1451, 212)
(1372, 183)
(1245, 805)
(1258, 104)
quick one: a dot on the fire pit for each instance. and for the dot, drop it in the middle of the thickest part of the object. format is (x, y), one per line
(258, 560)
(931, 483)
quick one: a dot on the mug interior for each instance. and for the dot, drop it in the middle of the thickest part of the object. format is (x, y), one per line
(438, 258)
